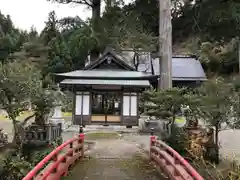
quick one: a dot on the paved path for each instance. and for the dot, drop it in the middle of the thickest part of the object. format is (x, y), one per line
(115, 159)
(230, 144)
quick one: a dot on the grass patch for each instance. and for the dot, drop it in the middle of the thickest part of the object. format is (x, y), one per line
(180, 120)
(21, 117)
(67, 114)
(25, 114)
(101, 135)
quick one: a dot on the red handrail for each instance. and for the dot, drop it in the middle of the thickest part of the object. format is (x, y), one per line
(177, 156)
(156, 146)
(50, 157)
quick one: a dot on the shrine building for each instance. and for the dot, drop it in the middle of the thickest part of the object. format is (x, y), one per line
(107, 90)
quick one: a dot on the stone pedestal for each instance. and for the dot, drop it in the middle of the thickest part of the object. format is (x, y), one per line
(39, 135)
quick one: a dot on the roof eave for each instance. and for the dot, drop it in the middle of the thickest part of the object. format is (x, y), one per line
(141, 77)
(189, 78)
(89, 85)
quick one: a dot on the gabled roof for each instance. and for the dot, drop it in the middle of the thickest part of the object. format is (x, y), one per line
(117, 58)
(183, 68)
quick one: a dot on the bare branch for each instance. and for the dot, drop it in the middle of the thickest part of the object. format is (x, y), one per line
(27, 119)
(86, 2)
(89, 3)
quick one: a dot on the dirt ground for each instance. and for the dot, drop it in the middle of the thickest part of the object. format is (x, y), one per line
(115, 159)
(7, 128)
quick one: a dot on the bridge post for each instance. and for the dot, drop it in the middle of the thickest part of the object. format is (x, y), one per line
(152, 141)
(81, 135)
(152, 131)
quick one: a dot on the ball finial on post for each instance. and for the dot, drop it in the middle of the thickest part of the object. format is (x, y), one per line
(152, 131)
(80, 129)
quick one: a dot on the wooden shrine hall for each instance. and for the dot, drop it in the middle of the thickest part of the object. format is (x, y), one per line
(107, 91)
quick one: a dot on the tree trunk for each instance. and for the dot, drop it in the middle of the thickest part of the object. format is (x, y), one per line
(18, 134)
(173, 122)
(15, 132)
(96, 12)
(239, 55)
(165, 44)
(216, 143)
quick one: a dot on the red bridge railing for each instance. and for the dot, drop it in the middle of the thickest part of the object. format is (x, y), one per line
(170, 162)
(59, 161)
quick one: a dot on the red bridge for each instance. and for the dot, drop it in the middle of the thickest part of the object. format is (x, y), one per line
(58, 163)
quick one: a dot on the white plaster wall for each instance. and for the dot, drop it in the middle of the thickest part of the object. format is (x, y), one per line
(133, 105)
(126, 105)
(86, 103)
(78, 104)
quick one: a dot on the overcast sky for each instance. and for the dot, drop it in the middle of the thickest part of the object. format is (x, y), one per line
(25, 13)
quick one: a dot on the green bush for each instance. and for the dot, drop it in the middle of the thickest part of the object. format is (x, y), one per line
(34, 154)
(178, 140)
(15, 168)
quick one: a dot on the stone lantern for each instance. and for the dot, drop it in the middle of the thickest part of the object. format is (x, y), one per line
(57, 117)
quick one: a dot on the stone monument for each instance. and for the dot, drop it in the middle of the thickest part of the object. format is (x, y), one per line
(57, 117)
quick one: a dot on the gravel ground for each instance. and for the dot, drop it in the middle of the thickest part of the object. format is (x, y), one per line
(230, 144)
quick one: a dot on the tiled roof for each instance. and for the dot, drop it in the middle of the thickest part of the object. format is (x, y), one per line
(183, 67)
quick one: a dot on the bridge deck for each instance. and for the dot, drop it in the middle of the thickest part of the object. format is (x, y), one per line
(115, 159)
(134, 168)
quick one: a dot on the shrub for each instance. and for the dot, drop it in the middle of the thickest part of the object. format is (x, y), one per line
(178, 140)
(227, 170)
(15, 168)
(191, 149)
